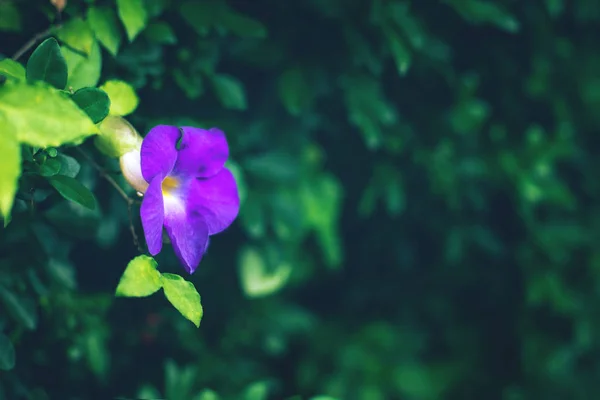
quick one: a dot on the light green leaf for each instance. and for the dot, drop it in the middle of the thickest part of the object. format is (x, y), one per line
(183, 296)
(160, 32)
(12, 69)
(77, 34)
(207, 394)
(123, 99)
(7, 353)
(72, 189)
(140, 278)
(93, 101)
(230, 92)
(257, 279)
(42, 116)
(83, 71)
(10, 18)
(295, 91)
(104, 23)
(133, 15)
(48, 64)
(10, 168)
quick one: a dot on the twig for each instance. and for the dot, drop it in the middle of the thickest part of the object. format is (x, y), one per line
(130, 202)
(29, 44)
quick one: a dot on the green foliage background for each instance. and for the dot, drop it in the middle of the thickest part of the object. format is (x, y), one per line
(420, 207)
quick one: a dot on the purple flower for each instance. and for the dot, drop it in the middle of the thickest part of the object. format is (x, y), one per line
(190, 192)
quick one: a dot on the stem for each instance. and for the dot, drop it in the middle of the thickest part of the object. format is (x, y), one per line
(130, 202)
(33, 41)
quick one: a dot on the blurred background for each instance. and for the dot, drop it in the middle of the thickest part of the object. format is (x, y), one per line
(419, 216)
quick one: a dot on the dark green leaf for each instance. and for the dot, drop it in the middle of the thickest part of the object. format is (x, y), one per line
(230, 92)
(7, 353)
(10, 18)
(68, 165)
(48, 64)
(50, 167)
(21, 308)
(72, 189)
(94, 102)
(160, 32)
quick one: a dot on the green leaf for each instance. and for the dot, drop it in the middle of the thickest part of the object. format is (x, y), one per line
(41, 116)
(77, 34)
(12, 69)
(68, 165)
(400, 52)
(230, 92)
(140, 278)
(258, 280)
(22, 309)
(242, 25)
(133, 15)
(10, 18)
(183, 296)
(50, 167)
(93, 101)
(48, 64)
(295, 91)
(160, 32)
(485, 12)
(10, 169)
(72, 189)
(123, 99)
(7, 353)
(83, 71)
(104, 23)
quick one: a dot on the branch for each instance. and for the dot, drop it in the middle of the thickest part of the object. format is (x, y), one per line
(32, 42)
(130, 202)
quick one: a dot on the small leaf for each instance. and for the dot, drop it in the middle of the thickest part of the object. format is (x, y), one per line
(50, 167)
(77, 34)
(7, 353)
(295, 91)
(83, 71)
(93, 101)
(68, 165)
(12, 69)
(105, 25)
(133, 15)
(10, 169)
(160, 32)
(140, 278)
(257, 279)
(10, 19)
(123, 99)
(48, 64)
(41, 116)
(230, 92)
(242, 25)
(22, 309)
(183, 296)
(72, 189)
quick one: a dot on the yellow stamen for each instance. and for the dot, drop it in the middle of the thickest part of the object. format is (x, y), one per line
(168, 185)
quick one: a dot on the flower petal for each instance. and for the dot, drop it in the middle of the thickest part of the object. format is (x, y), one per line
(202, 153)
(216, 199)
(159, 152)
(188, 232)
(152, 215)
